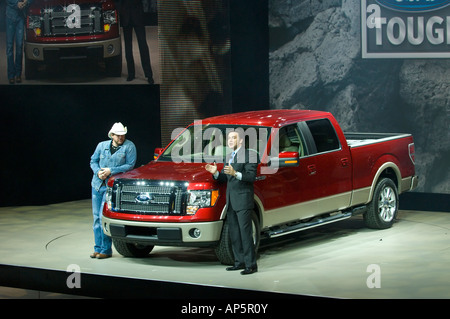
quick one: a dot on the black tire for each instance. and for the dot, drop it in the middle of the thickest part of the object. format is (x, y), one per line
(224, 251)
(383, 208)
(130, 249)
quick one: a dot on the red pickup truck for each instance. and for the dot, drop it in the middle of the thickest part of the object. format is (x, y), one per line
(310, 173)
(66, 30)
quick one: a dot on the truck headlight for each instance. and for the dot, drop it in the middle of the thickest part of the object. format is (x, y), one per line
(33, 21)
(109, 18)
(108, 197)
(199, 199)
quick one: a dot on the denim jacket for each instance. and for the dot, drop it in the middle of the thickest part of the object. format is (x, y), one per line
(121, 161)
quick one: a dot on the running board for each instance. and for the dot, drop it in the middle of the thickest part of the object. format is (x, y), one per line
(284, 230)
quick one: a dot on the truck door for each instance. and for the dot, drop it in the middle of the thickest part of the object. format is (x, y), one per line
(320, 183)
(329, 165)
(287, 187)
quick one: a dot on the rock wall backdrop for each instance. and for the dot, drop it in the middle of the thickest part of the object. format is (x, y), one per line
(315, 62)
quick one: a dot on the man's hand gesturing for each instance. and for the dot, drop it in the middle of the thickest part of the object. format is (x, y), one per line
(212, 168)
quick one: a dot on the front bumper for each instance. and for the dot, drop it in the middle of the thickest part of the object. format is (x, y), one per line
(164, 234)
(60, 51)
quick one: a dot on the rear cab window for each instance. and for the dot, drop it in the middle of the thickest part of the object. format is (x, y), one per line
(324, 135)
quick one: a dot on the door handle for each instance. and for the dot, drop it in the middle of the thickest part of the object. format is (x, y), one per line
(312, 169)
(345, 161)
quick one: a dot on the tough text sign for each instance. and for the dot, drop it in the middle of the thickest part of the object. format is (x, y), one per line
(405, 28)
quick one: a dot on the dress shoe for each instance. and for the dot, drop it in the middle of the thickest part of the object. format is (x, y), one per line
(12, 81)
(248, 271)
(130, 78)
(18, 79)
(94, 255)
(150, 80)
(232, 268)
(103, 256)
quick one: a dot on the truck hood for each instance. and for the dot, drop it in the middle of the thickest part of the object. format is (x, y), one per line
(155, 170)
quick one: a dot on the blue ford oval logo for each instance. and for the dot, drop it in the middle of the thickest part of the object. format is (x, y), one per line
(144, 198)
(414, 6)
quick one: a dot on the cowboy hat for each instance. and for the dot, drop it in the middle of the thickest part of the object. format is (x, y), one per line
(117, 129)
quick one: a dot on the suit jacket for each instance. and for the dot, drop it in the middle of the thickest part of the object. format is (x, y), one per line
(132, 13)
(240, 192)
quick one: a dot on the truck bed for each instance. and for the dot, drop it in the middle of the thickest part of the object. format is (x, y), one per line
(361, 139)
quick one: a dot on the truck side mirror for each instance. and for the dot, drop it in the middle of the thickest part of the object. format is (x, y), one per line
(288, 159)
(157, 152)
(285, 159)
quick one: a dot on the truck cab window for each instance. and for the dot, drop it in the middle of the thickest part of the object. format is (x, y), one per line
(291, 140)
(324, 135)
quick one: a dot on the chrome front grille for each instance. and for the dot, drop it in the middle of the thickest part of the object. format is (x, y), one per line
(54, 20)
(149, 197)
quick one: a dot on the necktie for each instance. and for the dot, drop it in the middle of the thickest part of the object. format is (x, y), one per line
(232, 157)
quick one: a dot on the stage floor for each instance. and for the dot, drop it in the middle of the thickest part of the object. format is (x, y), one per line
(340, 260)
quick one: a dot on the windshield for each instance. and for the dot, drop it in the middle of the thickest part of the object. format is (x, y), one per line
(208, 143)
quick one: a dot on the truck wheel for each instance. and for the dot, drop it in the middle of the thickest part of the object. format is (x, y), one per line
(131, 249)
(224, 251)
(383, 209)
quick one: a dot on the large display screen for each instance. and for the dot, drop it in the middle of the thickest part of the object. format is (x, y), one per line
(79, 42)
(195, 62)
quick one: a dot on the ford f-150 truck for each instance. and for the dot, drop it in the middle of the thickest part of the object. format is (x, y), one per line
(310, 173)
(78, 29)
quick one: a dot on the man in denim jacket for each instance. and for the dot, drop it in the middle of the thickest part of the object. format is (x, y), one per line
(111, 157)
(15, 26)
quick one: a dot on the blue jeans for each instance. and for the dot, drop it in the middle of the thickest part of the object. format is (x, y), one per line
(102, 242)
(15, 24)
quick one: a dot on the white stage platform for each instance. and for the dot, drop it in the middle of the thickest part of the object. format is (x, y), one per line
(342, 260)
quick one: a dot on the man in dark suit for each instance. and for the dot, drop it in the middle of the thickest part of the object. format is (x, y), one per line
(132, 17)
(239, 173)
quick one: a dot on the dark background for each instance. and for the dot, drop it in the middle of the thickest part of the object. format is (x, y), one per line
(50, 133)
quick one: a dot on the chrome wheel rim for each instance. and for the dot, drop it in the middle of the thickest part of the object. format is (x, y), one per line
(387, 204)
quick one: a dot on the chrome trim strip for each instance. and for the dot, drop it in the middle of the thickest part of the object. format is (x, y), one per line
(305, 210)
(360, 196)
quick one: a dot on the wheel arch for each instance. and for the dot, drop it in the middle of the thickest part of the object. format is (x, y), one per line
(259, 210)
(387, 170)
